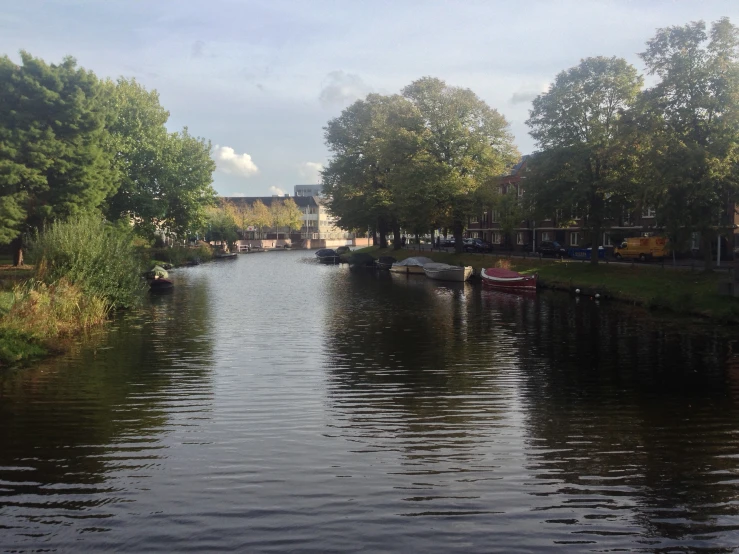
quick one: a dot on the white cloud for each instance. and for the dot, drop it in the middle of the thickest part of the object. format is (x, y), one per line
(311, 171)
(231, 163)
(341, 89)
(277, 190)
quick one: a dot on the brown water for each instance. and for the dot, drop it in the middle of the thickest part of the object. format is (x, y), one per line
(273, 404)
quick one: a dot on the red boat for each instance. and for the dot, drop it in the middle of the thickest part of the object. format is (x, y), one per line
(505, 279)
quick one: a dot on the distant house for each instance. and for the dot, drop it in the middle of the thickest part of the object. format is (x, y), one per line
(569, 229)
(318, 229)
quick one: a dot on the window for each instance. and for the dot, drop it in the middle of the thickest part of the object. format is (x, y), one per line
(606, 239)
(497, 238)
(494, 216)
(519, 238)
(648, 212)
(546, 236)
(474, 219)
(574, 239)
(695, 241)
(520, 191)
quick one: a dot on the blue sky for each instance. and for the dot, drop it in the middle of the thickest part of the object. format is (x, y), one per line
(260, 79)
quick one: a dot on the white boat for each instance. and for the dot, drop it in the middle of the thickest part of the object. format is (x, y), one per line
(411, 265)
(446, 272)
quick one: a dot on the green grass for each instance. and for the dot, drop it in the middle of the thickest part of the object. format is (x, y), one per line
(678, 290)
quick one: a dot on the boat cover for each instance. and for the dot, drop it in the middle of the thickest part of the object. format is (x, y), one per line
(419, 261)
(437, 266)
(500, 273)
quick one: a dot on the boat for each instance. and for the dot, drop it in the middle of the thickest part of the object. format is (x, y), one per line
(446, 272)
(385, 262)
(359, 259)
(506, 279)
(225, 256)
(328, 256)
(156, 272)
(160, 285)
(411, 265)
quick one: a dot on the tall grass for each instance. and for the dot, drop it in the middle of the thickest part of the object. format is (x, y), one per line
(92, 255)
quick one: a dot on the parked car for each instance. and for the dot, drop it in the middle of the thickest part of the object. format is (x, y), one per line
(477, 245)
(551, 248)
(448, 241)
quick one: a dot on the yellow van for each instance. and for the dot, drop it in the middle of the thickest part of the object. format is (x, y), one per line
(642, 248)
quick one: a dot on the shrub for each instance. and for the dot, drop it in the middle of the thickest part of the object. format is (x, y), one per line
(97, 257)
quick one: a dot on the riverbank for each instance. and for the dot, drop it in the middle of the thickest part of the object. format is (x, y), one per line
(652, 286)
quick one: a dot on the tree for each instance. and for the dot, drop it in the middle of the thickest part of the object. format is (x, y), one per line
(692, 118)
(285, 213)
(468, 142)
(165, 177)
(54, 160)
(582, 159)
(373, 143)
(220, 224)
(260, 216)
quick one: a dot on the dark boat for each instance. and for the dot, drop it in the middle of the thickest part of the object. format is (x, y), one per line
(385, 262)
(160, 285)
(225, 256)
(327, 256)
(361, 259)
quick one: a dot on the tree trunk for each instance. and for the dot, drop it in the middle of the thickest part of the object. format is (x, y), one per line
(707, 253)
(396, 235)
(382, 229)
(595, 244)
(458, 241)
(16, 246)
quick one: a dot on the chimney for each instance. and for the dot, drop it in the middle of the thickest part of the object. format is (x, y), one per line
(287, 195)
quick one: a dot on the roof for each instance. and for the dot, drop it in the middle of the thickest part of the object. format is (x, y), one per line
(301, 201)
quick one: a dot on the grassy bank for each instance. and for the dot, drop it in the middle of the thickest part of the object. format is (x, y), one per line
(678, 290)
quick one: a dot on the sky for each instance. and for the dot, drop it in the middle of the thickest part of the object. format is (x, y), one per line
(261, 78)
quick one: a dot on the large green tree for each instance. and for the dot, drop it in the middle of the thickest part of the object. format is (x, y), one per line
(583, 159)
(373, 144)
(55, 159)
(690, 128)
(467, 141)
(165, 177)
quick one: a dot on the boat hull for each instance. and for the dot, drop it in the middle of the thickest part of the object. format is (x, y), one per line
(407, 269)
(459, 275)
(518, 283)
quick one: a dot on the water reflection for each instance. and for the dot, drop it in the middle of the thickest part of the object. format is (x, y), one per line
(80, 433)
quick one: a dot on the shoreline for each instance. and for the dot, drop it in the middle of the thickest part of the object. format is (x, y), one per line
(654, 287)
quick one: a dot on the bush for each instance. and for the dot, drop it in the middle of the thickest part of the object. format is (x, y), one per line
(96, 257)
(179, 255)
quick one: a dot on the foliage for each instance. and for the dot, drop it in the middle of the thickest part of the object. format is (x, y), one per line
(166, 177)
(373, 142)
(221, 226)
(467, 140)
(690, 128)
(180, 255)
(54, 154)
(583, 162)
(92, 255)
(285, 213)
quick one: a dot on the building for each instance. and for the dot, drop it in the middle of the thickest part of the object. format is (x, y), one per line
(568, 229)
(308, 190)
(318, 229)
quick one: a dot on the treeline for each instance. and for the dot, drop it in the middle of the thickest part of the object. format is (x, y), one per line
(72, 143)
(607, 147)
(227, 220)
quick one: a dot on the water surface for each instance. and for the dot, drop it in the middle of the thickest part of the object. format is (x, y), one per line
(274, 404)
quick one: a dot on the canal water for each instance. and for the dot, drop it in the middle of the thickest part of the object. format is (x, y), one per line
(272, 404)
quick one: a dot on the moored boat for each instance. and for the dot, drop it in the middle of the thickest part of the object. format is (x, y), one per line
(225, 256)
(506, 279)
(446, 272)
(411, 265)
(385, 262)
(160, 285)
(328, 256)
